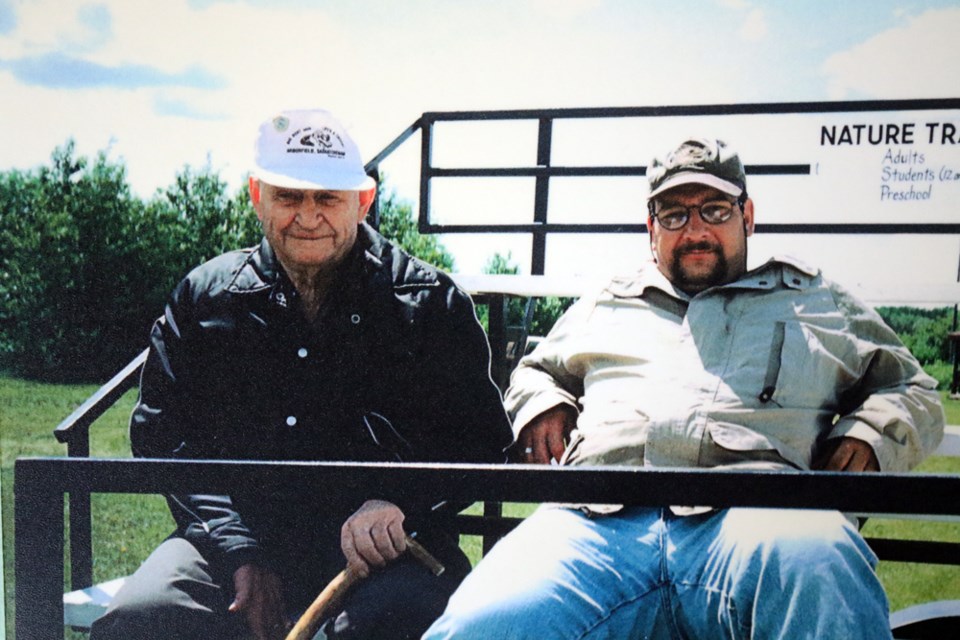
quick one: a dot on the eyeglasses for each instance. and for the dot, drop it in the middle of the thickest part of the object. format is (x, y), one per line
(713, 212)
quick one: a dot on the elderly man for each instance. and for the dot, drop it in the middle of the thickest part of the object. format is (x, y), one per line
(326, 342)
(698, 362)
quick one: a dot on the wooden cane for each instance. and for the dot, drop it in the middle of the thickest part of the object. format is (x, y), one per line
(333, 593)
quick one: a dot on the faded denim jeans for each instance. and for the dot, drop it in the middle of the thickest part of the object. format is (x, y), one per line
(647, 573)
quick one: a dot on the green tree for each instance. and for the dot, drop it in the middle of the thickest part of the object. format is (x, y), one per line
(66, 264)
(86, 266)
(18, 238)
(547, 309)
(201, 220)
(398, 224)
(188, 223)
(923, 331)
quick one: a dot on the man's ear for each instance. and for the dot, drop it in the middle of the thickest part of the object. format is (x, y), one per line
(254, 191)
(366, 201)
(748, 217)
(650, 232)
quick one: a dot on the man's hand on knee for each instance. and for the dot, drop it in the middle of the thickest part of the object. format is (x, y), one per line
(259, 599)
(545, 437)
(847, 454)
(373, 536)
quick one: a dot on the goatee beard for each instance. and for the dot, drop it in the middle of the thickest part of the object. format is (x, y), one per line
(699, 281)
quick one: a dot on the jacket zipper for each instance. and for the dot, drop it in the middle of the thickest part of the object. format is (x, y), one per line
(773, 363)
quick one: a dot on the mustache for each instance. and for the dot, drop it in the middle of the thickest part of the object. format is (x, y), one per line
(698, 246)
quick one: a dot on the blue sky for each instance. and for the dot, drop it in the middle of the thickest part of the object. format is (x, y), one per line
(165, 84)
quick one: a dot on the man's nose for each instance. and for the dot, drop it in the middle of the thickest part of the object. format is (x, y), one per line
(309, 214)
(695, 224)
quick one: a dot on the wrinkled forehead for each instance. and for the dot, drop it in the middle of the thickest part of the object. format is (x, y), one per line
(274, 189)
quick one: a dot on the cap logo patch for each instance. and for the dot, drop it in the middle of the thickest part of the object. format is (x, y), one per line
(324, 141)
(690, 154)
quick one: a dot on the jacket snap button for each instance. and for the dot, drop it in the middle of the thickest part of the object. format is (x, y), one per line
(302, 352)
(291, 421)
(355, 318)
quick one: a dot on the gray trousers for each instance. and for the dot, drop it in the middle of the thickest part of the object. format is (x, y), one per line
(176, 594)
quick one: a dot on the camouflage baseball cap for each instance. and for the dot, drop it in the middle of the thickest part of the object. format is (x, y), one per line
(702, 161)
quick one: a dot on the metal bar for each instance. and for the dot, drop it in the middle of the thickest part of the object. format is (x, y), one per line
(390, 148)
(81, 541)
(947, 228)
(426, 157)
(373, 167)
(887, 493)
(922, 551)
(537, 172)
(541, 199)
(492, 512)
(74, 430)
(486, 525)
(695, 110)
(38, 553)
(597, 171)
(97, 404)
(955, 353)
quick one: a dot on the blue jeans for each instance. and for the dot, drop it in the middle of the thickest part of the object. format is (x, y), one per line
(646, 573)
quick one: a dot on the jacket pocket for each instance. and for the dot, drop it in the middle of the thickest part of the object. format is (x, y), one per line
(809, 366)
(619, 444)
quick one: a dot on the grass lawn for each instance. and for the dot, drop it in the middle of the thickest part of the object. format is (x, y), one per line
(127, 527)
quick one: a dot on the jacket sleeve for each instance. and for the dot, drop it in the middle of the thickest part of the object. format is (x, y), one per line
(456, 414)
(547, 377)
(895, 406)
(163, 425)
(455, 368)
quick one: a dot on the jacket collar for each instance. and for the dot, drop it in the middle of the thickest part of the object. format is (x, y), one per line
(789, 271)
(259, 272)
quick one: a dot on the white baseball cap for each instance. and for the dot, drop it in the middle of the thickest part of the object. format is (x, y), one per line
(308, 149)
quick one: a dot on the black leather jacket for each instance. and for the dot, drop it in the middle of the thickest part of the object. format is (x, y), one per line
(235, 372)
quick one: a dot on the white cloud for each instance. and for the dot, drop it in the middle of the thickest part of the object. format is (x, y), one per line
(754, 27)
(44, 25)
(916, 60)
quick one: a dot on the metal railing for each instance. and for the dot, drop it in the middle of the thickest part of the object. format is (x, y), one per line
(41, 483)
(544, 170)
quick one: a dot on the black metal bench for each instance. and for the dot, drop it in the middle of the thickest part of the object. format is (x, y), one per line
(79, 476)
(41, 484)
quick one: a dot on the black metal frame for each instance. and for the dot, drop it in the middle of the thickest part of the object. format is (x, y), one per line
(540, 227)
(40, 484)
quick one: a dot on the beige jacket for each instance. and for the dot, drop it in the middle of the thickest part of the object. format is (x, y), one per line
(756, 373)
